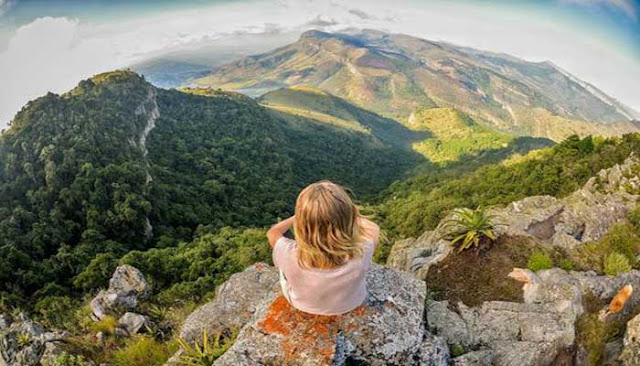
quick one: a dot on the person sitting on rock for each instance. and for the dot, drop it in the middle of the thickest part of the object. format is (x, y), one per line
(323, 271)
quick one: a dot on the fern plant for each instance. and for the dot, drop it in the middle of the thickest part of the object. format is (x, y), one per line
(468, 228)
(206, 354)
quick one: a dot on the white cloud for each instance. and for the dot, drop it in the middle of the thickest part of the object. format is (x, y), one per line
(53, 54)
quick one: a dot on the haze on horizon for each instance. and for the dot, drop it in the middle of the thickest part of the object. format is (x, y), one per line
(52, 46)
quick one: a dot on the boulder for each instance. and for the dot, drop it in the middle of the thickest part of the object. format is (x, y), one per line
(126, 286)
(536, 331)
(631, 351)
(131, 323)
(418, 255)
(234, 304)
(388, 329)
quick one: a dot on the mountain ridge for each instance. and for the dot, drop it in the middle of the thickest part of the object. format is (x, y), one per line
(395, 74)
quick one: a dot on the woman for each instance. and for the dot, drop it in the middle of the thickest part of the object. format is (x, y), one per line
(323, 271)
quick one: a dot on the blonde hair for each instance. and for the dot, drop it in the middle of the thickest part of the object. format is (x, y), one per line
(327, 226)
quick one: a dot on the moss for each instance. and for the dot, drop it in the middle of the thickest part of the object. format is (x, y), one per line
(615, 264)
(591, 334)
(474, 279)
(457, 350)
(539, 260)
(566, 264)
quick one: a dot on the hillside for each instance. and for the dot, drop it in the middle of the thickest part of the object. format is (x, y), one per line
(117, 164)
(439, 135)
(395, 75)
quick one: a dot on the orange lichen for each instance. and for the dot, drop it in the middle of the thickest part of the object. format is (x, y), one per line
(307, 335)
(259, 267)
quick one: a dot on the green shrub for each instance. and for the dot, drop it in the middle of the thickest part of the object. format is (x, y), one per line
(57, 312)
(615, 264)
(106, 325)
(623, 239)
(634, 217)
(469, 228)
(143, 351)
(566, 264)
(539, 260)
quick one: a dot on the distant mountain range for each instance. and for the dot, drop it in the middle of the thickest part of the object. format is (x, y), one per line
(397, 75)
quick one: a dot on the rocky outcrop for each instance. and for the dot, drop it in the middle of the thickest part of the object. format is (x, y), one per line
(234, 304)
(126, 287)
(24, 342)
(586, 215)
(388, 329)
(534, 332)
(631, 352)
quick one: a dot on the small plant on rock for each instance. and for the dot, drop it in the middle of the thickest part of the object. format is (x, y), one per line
(539, 261)
(24, 339)
(469, 228)
(615, 264)
(205, 354)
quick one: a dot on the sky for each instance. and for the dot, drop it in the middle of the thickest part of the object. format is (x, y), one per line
(50, 45)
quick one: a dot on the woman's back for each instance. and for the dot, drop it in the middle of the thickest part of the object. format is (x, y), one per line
(323, 291)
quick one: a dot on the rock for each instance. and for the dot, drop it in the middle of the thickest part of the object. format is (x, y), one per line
(51, 350)
(434, 351)
(5, 321)
(538, 330)
(418, 255)
(387, 330)
(474, 358)
(612, 351)
(126, 286)
(585, 215)
(131, 323)
(631, 351)
(234, 304)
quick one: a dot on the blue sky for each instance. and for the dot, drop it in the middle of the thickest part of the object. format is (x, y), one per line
(49, 45)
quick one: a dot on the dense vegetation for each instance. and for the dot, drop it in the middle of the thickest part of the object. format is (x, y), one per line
(420, 202)
(81, 184)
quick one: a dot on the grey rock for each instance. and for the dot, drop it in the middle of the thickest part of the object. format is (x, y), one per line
(126, 287)
(387, 330)
(631, 351)
(5, 321)
(475, 358)
(131, 323)
(234, 303)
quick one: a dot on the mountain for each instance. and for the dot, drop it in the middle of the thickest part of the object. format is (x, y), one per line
(394, 75)
(117, 164)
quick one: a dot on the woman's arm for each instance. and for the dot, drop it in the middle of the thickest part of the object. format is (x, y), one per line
(371, 230)
(278, 230)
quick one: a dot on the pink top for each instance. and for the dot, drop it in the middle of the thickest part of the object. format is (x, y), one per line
(323, 291)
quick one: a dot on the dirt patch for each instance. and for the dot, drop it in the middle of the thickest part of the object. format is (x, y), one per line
(474, 279)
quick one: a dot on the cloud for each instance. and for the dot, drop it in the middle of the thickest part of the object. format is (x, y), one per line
(626, 6)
